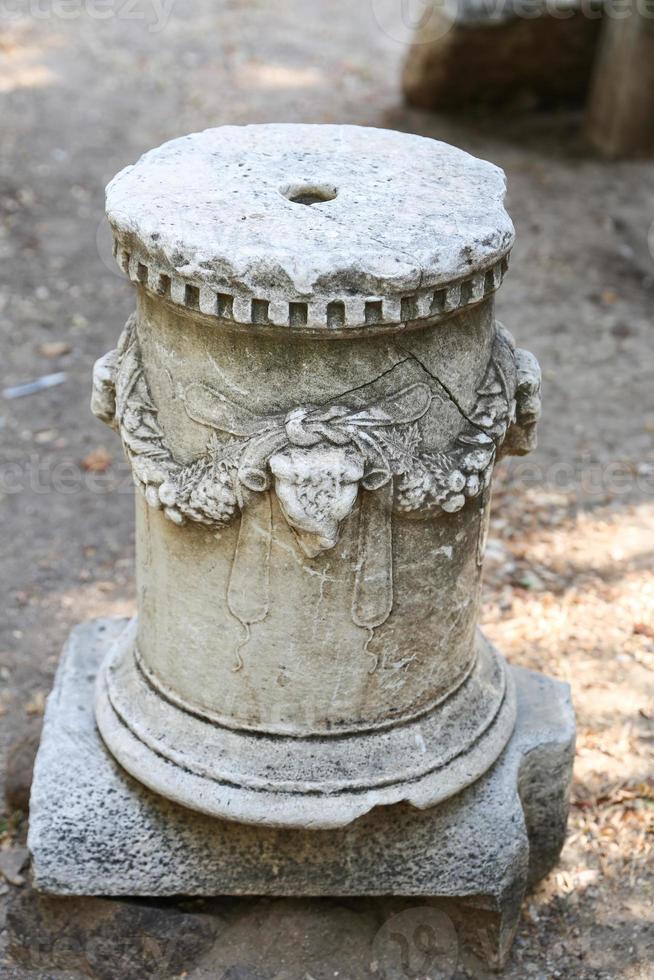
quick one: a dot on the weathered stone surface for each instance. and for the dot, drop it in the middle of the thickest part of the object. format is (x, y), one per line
(501, 54)
(93, 829)
(291, 939)
(312, 398)
(306, 782)
(106, 940)
(219, 211)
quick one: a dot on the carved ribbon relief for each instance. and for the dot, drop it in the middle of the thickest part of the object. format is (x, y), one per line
(320, 459)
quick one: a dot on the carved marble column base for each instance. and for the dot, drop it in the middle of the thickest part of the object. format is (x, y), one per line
(96, 831)
(313, 782)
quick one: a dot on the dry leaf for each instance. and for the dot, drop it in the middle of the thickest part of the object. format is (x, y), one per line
(36, 705)
(97, 461)
(54, 348)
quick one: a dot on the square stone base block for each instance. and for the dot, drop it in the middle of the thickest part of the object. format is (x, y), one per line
(96, 831)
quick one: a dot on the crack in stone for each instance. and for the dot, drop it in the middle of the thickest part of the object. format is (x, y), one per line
(438, 381)
(366, 384)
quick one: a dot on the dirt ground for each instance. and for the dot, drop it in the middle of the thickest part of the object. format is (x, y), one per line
(570, 576)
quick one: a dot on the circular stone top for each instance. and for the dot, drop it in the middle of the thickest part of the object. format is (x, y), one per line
(312, 227)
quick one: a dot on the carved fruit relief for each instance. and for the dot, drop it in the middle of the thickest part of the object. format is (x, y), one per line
(317, 458)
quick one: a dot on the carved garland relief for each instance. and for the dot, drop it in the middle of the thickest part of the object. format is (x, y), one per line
(320, 459)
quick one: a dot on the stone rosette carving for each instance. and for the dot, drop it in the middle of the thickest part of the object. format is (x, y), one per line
(317, 457)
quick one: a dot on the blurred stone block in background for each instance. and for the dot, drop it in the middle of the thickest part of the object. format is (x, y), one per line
(620, 120)
(507, 53)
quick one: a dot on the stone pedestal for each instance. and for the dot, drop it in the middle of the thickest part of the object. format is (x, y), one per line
(313, 393)
(95, 830)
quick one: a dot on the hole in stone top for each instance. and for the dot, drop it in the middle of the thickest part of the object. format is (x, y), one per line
(309, 193)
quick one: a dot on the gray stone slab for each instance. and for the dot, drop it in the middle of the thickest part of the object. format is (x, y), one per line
(225, 219)
(95, 831)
